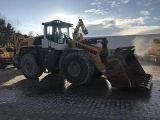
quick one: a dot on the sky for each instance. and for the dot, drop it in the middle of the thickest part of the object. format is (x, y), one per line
(101, 17)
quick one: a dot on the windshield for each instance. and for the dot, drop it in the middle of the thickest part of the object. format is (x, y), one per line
(57, 33)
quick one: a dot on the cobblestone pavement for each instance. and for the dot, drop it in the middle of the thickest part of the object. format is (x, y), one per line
(51, 98)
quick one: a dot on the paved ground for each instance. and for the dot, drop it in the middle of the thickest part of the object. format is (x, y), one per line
(47, 99)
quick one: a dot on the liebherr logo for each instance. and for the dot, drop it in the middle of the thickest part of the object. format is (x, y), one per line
(87, 49)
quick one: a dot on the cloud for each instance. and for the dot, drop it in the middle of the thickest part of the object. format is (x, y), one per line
(129, 22)
(97, 2)
(144, 12)
(110, 26)
(114, 4)
(117, 3)
(140, 30)
(95, 11)
(155, 18)
(124, 1)
(119, 22)
(110, 2)
(145, 3)
(101, 6)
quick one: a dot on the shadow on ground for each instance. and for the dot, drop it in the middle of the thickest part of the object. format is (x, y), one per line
(8, 74)
(99, 88)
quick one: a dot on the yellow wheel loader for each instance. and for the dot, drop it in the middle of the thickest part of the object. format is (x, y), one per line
(153, 53)
(6, 57)
(79, 59)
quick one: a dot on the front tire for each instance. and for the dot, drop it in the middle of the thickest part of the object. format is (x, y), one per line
(30, 67)
(78, 68)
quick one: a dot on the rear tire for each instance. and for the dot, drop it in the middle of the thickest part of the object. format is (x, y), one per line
(2, 66)
(54, 72)
(157, 60)
(16, 65)
(78, 68)
(30, 67)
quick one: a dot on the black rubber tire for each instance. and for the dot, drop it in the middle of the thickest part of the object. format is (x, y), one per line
(63, 56)
(30, 67)
(54, 72)
(97, 73)
(16, 65)
(157, 60)
(2, 66)
(85, 66)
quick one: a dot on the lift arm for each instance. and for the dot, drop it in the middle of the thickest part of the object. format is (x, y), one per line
(76, 30)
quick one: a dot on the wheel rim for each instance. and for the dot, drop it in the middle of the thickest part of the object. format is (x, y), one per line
(74, 69)
(27, 67)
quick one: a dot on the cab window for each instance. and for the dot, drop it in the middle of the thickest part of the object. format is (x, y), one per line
(49, 33)
(56, 34)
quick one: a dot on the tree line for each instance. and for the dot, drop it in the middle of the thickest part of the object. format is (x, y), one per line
(6, 33)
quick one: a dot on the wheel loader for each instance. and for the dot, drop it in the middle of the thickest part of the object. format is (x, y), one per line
(6, 56)
(19, 41)
(153, 53)
(79, 59)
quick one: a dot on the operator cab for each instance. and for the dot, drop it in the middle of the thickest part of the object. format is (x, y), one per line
(55, 33)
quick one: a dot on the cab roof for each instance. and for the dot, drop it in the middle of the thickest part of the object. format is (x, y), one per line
(56, 22)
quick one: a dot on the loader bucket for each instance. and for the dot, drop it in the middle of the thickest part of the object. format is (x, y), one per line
(124, 70)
